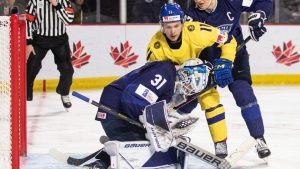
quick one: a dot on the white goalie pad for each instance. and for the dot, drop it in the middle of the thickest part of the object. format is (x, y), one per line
(163, 127)
(134, 155)
(157, 126)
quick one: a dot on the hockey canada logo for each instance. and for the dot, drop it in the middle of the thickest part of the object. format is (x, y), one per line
(123, 57)
(78, 57)
(287, 56)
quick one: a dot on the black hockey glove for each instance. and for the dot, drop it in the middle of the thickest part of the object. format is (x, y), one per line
(256, 23)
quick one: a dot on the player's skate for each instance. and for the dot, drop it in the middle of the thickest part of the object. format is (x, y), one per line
(102, 161)
(98, 164)
(66, 101)
(221, 149)
(262, 149)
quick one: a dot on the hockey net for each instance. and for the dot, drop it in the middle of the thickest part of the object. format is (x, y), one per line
(12, 91)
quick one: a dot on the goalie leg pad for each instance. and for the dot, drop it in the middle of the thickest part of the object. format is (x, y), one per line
(137, 154)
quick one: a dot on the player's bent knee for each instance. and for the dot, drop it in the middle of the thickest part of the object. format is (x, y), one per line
(137, 154)
(243, 93)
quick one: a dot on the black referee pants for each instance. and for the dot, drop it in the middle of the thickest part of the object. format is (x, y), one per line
(60, 48)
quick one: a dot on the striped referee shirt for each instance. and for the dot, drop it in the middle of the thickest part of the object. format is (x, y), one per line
(47, 20)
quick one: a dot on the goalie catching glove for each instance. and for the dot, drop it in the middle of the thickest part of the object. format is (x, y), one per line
(181, 123)
(162, 127)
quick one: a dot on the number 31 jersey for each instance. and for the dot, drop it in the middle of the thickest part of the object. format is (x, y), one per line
(146, 85)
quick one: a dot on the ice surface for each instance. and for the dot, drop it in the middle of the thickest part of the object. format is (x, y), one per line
(77, 133)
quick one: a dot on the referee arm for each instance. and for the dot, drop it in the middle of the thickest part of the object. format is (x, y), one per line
(30, 18)
(64, 10)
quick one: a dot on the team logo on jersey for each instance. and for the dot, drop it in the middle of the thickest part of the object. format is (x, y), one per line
(157, 45)
(225, 28)
(124, 57)
(221, 38)
(78, 57)
(191, 28)
(286, 56)
(101, 115)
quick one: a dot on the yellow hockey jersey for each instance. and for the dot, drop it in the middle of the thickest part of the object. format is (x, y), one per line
(196, 36)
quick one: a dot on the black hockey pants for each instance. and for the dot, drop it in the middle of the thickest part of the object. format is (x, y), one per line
(61, 50)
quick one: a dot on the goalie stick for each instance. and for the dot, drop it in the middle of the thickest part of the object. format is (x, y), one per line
(235, 156)
(181, 144)
(56, 154)
(71, 160)
(211, 83)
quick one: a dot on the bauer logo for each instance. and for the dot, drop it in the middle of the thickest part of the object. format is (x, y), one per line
(198, 153)
(286, 55)
(78, 57)
(123, 56)
(136, 145)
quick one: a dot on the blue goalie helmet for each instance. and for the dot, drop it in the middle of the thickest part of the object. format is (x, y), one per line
(193, 75)
(171, 12)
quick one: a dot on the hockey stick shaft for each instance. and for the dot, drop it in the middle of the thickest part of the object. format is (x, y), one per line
(76, 161)
(181, 144)
(243, 43)
(212, 84)
(106, 109)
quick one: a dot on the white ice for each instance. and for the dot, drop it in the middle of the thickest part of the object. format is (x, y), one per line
(77, 133)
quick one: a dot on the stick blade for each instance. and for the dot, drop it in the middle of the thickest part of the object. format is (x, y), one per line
(59, 156)
(240, 151)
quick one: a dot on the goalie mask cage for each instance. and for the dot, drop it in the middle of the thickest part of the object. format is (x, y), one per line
(12, 91)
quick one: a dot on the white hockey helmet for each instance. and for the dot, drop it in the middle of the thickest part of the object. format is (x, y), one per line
(193, 75)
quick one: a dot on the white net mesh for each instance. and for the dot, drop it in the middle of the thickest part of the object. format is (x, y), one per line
(5, 94)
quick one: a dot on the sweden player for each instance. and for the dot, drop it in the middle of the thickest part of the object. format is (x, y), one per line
(178, 41)
(225, 15)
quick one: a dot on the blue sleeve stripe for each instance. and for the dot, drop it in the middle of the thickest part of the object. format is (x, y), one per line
(216, 119)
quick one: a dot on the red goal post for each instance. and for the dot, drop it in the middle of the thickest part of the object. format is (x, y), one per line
(12, 91)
